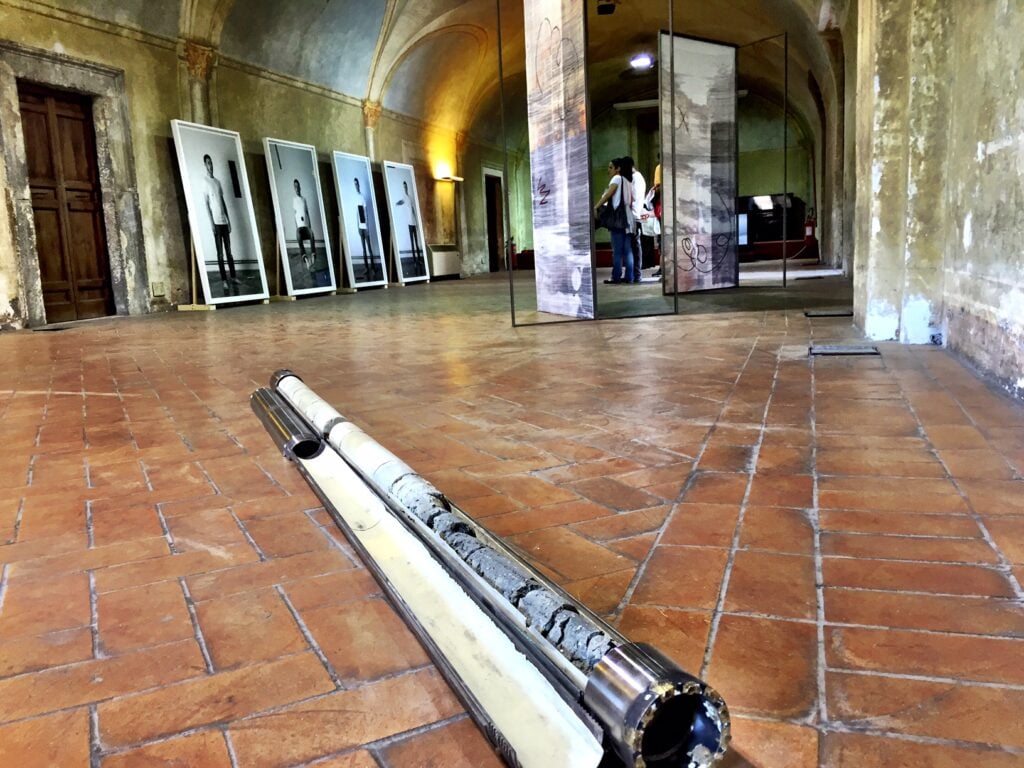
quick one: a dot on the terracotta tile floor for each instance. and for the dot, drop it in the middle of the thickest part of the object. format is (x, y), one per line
(836, 544)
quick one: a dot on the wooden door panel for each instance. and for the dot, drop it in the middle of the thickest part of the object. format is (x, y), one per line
(37, 146)
(77, 156)
(52, 266)
(85, 261)
(44, 198)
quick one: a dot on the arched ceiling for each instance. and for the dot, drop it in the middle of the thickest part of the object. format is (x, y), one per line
(327, 42)
(436, 60)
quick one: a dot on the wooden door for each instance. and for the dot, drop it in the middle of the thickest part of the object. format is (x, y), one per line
(60, 146)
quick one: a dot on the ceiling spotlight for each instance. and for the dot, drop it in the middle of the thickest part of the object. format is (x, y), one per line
(605, 7)
(641, 61)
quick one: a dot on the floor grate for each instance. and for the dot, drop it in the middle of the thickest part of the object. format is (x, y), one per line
(828, 313)
(842, 349)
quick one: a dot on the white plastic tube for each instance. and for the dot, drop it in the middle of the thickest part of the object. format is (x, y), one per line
(540, 728)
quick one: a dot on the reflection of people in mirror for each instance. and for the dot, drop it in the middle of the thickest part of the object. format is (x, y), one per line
(414, 238)
(303, 232)
(364, 232)
(213, 196)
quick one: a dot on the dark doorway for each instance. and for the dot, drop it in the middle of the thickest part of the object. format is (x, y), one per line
(495, 221)
(60, 148)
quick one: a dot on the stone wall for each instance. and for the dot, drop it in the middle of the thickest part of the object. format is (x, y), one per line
(984, 217)
(940, 179)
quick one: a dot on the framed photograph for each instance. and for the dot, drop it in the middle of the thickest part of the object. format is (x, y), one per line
(360, 225)
(220, 213)
(407, 240)
(306, 259)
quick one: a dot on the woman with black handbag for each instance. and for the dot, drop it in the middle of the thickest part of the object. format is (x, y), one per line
(614, 211)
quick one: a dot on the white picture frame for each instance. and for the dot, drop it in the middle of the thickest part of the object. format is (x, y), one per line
(307, 261)
(360, 220)
(228, 256)
(412, 262)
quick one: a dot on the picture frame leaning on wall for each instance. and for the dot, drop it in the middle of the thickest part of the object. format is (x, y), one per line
(407, 240)
(220, 213)
(305, 250)
(360, 220)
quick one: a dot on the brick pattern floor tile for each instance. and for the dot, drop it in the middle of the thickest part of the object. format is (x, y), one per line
(836, 544)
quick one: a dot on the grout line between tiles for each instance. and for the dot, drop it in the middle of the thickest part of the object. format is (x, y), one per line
(230, 746)
(723, 588)
(95, 748)
(918, 739)
(958, 681)
(197, 630)
(248, 537)
(3, 585)
(310, 640)
(171, 545)
(814, 515)
(94, 619)
(18, 516)
(89, 531)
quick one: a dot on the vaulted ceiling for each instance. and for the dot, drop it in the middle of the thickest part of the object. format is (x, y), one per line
(437, 60)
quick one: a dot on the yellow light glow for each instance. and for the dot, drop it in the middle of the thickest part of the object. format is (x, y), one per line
(442, 169)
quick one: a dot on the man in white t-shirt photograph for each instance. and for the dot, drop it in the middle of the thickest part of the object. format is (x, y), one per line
(216, 207)
(303, 231)
(362, 206)
(406, 202)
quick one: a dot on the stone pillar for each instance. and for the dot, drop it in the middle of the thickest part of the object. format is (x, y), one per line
(930, 84)
(371, 117)
(200, 61)
(902, 119)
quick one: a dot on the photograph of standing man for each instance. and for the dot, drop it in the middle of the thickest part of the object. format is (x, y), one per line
(300, 208)
(217, 208)
(406, 202)
(369, 273)
(221, 219)
(303, 248)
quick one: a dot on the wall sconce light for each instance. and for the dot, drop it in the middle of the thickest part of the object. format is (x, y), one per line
(642, 62)
(449, 178)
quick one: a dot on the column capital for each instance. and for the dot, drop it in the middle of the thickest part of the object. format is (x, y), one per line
(200, 59)
(371, 113)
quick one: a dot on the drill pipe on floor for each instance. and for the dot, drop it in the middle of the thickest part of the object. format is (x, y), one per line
(591, 687)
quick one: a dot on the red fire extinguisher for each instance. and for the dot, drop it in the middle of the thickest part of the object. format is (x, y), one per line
(809, 226)
(810, 248)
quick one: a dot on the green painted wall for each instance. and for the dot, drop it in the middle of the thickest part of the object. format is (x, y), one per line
(761, 152)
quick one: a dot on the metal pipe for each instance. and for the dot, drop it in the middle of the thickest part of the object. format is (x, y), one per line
(652, 712)
(290, 433)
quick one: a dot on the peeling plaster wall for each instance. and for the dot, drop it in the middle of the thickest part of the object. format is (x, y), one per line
(10, 279)
(149, 64)
(940, 179)
(984, 258)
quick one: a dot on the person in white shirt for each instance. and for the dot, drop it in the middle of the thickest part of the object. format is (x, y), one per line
(620, 194)
(364, 232)
(639, 195)
(213, 197)
(303, 231)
